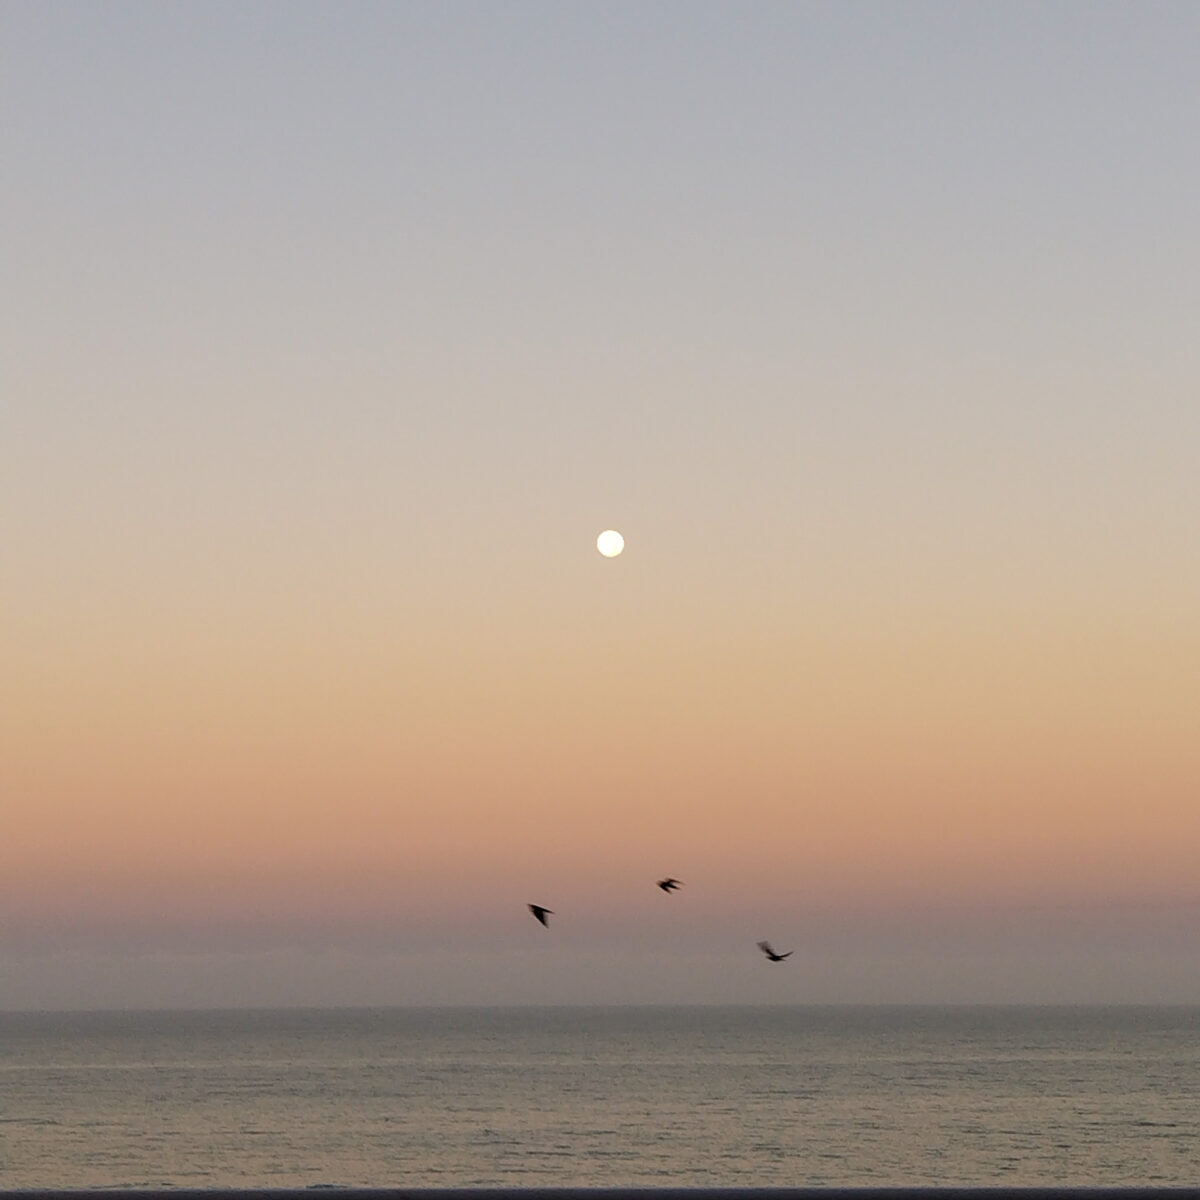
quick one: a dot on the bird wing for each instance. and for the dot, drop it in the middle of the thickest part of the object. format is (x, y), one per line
(765, 947)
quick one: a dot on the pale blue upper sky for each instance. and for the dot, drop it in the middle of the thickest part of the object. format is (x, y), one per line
(733, 264)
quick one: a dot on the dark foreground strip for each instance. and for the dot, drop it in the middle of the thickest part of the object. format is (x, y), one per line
(615, 1193)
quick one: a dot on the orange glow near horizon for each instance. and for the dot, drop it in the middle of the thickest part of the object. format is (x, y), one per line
(870, 763)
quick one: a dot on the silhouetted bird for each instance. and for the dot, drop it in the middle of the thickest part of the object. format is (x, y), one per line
(765, 947)
(669, 885)
(541, 913)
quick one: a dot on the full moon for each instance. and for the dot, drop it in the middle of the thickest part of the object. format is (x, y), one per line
(610, 543)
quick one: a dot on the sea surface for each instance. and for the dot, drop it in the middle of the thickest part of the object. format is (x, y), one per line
(601, 1097)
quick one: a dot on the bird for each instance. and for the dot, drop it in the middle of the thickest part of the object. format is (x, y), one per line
(765, 947)
(669, 885)
(541, 913)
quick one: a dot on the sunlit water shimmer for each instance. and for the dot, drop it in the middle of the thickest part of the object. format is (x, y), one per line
(596, 1097)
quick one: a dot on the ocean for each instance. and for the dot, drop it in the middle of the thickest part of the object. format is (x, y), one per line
(740, 1097)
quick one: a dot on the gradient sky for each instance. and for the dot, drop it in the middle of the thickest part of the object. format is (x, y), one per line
(334, 334)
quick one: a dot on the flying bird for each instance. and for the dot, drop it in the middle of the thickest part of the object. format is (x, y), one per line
(765, 947)
(669, 885)
(541, 913)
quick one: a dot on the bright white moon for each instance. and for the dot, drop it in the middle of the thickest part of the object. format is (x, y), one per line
(610, 543)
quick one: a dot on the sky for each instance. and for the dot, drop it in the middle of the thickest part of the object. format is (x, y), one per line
(334, 334)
